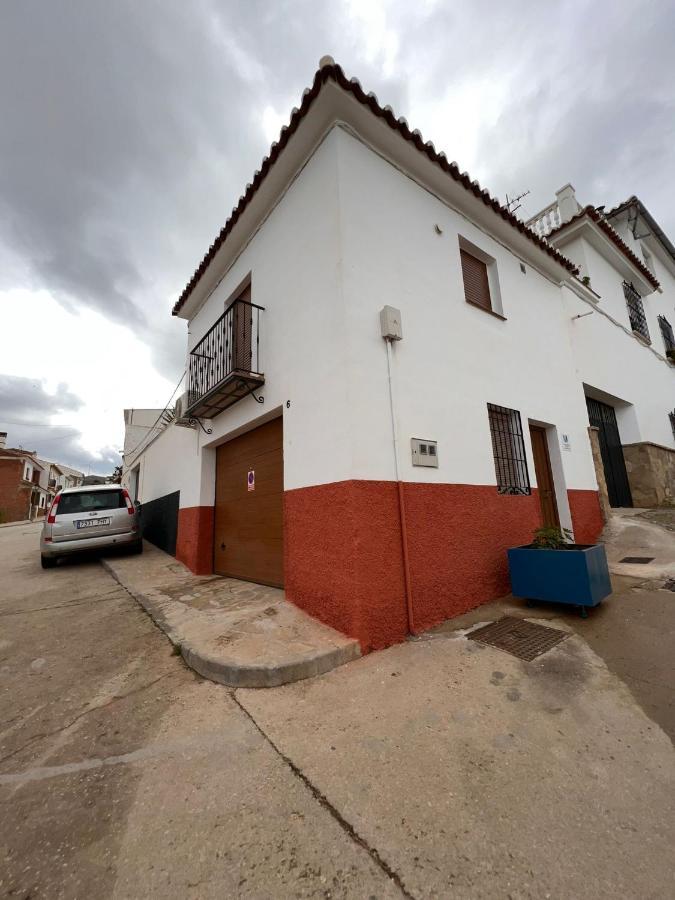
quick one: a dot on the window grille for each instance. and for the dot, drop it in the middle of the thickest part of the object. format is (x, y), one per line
(667, 333)
(508, 448)
(636, 311)
(671, 416)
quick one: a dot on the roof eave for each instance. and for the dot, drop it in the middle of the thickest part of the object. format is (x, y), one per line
(607, 240)
(350, 103)
(657, 232)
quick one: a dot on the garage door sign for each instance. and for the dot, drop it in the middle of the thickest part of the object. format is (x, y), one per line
(250, 480)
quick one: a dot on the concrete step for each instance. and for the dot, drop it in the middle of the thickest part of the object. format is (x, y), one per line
(232, 632)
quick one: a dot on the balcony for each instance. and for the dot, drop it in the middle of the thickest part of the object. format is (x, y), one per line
(224, 367)
(546, 221)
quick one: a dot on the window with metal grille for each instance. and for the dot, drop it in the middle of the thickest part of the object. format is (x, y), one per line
(636, 311)
(476, 280)
(508, 448)
(667, 333)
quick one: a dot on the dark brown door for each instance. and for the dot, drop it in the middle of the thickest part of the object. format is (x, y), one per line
(545, 486)
(248, 539)
(242, 331)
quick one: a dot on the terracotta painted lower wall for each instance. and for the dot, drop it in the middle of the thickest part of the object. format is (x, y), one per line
(194, 542)
(587, 519)
(344, 560)
(458, 536)
(343, 553)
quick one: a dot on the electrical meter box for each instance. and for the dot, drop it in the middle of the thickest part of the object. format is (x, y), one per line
(390, 323)
(424, 453)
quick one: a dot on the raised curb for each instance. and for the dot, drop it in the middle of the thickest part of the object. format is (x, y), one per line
(235, 674)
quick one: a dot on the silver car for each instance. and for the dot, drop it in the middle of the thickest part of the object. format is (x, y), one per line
(91, 517)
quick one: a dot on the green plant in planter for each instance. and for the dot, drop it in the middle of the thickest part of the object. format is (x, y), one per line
(551, 538)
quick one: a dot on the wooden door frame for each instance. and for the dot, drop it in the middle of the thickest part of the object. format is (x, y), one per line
(543, 430)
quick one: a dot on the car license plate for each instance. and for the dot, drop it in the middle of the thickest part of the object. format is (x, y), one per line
(90, 523)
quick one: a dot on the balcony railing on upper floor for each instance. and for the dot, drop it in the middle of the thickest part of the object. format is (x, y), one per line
(546, 220)
(225, 365)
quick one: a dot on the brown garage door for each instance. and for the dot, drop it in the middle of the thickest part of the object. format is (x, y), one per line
(249, 523)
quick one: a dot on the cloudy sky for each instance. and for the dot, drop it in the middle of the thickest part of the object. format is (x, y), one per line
(129, 129)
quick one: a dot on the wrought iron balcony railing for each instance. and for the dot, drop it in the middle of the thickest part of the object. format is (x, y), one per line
(636, 311)
(225, 365)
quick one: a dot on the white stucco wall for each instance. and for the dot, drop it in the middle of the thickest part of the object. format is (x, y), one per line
(170, 463)
(454, 358)
(608, 283)
(294, 261)
(353, 233)
(612, 361)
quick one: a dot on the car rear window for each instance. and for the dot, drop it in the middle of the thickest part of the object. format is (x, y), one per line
(89, 501)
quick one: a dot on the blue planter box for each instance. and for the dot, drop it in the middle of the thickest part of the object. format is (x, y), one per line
(578, 576)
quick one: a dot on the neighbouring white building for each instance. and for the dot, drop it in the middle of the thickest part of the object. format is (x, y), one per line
(390, 377)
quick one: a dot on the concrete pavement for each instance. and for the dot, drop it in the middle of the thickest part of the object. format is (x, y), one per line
(123, 774)
(439, 768)
(230, 631)
(633, 630)
(477, 775)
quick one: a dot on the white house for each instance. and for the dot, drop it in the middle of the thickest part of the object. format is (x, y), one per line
(623, 338)
(387, 380)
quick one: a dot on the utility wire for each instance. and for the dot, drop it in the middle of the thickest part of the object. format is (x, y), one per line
(146, 437)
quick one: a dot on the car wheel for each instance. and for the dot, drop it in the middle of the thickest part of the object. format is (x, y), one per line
(137, 547)
(48, 562)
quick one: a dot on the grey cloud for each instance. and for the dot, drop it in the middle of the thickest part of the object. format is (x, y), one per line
(26, 400)
(25, 406)
(129, 130)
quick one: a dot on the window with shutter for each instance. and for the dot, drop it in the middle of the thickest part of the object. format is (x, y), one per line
(476, 281)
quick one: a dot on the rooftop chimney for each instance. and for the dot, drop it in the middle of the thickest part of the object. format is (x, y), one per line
(567, 203)
(3, 439)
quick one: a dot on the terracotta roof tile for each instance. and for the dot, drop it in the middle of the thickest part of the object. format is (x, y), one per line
(333, 72)
(613, 235)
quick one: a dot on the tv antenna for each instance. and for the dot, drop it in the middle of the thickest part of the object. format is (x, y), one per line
(515, 200)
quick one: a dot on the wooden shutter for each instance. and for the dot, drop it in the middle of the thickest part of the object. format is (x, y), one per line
(476, 283)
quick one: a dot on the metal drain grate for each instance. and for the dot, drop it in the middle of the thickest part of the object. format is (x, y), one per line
(520, 638)
(638, 560)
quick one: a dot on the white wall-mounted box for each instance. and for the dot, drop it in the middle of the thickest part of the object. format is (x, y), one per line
(390, 323)
(424, 453)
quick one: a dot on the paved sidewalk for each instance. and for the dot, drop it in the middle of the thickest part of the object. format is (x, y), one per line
(641, 533)
(633, 630)
(233, 632)
(475, 775)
